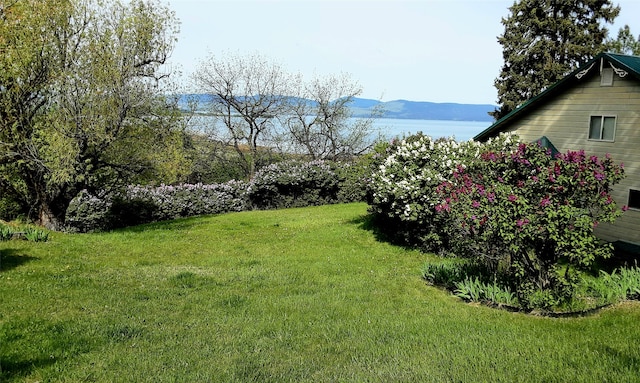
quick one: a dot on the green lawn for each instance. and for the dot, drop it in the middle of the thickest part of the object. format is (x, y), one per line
(299, 295)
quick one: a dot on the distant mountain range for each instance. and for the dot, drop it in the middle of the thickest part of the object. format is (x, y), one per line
(416, 110)
(422, 110)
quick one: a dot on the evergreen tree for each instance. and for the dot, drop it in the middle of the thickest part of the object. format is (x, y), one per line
(543, 40)
(625, 43)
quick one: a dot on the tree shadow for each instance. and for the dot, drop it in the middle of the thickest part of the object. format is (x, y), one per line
(11, 259)
(35, 346)
(10, 369)
(623, 359)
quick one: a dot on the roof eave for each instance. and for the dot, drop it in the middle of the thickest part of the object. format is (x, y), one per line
(502, 123)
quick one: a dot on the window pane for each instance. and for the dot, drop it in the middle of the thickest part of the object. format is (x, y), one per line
(594, 128)
(634, 199)
(608, 128)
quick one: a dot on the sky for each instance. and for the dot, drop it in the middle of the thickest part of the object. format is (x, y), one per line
(417, 50)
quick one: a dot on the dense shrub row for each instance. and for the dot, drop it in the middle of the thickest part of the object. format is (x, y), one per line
(281, 185)
(507, 205)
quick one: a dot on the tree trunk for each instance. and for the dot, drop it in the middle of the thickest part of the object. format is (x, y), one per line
(51, 217)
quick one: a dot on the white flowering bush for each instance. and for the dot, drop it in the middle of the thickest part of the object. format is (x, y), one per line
(187, 200)
(284, 184)
(402, 192)
(141, 204)
(88, 212)
(294, 184)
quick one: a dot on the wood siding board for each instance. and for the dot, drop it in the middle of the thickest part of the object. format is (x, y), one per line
(564, 119)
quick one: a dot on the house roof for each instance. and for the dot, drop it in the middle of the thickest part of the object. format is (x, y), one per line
(628, 64)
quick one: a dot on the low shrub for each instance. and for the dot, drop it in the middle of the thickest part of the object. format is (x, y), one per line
(88, 212)
(281, 185)
(294, 184)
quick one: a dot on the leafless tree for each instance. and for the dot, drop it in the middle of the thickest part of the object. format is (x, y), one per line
(319, 122)
(245, 93)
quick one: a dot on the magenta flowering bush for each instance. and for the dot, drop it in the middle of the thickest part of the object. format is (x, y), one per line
(532, 214)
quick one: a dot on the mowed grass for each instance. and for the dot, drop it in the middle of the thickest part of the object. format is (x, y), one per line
(298, 295)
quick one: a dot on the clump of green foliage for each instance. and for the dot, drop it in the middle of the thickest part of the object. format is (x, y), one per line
(474, 283)
(6, 232)
(30, 233)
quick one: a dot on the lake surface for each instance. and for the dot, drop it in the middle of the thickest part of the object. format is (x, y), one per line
(460, 130)
(390, 128)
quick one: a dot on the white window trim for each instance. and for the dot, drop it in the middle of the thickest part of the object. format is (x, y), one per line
(602, 116)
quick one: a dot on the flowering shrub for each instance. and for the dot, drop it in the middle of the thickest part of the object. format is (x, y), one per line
(88, 212)
(402, 192)
(285, 184)
(508, 205)
(530, 212)
(294, 184)
(140, 204)
(187, 200)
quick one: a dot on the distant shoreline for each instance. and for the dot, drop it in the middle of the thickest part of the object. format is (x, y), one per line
(404, 109)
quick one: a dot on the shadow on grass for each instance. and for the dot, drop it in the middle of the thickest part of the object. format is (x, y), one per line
(30, 346)
(373, 224)
(176, 224)
(625, 255)
(367, 222)
(624, 360)
(10, 259)
(12, 370)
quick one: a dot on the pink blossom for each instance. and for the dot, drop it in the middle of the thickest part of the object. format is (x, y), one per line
(512, 197)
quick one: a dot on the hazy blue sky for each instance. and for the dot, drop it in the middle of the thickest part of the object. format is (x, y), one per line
(420, 50)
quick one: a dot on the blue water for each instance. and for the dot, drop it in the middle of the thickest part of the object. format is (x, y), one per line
(390, 128)
(460, 130)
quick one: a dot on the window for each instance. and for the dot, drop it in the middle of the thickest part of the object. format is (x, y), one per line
(602, 128)
(634, 199)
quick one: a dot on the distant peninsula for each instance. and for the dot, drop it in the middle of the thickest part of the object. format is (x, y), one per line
(403, 109)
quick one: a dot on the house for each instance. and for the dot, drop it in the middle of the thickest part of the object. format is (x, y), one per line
(595, 108)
